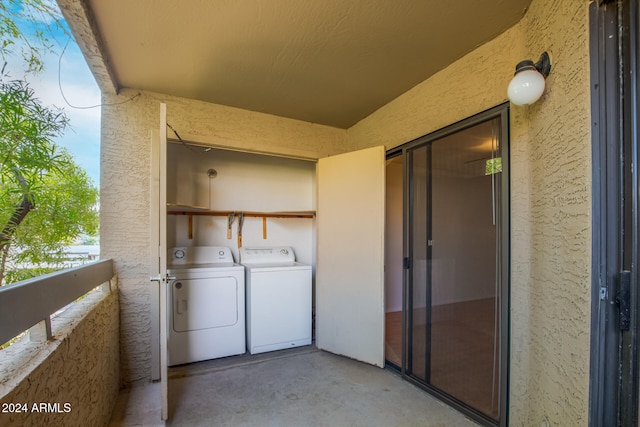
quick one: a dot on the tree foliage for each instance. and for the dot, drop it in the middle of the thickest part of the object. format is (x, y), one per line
(66, 208)
(46, 200)
(41, 16)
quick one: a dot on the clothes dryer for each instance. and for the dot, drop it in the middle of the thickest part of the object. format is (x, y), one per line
(207, 313)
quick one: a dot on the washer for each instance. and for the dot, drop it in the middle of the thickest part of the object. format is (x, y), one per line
(207, 315)
(278, 299)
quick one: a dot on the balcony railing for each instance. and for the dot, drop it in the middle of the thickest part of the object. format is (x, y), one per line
(75, 373)
(26, 304)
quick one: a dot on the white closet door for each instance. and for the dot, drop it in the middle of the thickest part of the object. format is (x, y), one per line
(158, 259)
(350, 255)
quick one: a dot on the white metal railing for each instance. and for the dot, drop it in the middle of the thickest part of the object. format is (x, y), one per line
(29, 302)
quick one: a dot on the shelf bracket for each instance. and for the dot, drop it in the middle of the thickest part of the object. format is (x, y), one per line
(264, 227)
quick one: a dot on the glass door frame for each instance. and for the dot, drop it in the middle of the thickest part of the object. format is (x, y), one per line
(614, 383)
(502, 112)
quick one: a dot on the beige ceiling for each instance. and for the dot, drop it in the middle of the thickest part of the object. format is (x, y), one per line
(331, 62)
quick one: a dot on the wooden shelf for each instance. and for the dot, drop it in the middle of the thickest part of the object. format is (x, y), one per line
(192, 211)
(246, 214)
(172, 207)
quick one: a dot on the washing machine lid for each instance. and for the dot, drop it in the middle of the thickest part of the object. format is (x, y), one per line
(275, 255)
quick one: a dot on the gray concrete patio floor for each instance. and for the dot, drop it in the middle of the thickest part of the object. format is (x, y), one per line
(297, 387)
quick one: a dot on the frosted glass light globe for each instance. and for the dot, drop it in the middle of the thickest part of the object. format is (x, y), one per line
(526, 87)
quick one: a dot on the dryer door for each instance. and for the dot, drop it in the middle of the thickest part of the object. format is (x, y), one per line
(204, 303)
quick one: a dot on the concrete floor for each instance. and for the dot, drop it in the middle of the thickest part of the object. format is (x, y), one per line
(297, 387)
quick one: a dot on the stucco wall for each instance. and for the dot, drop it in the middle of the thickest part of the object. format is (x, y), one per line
(77, 372)
(551, 225)
(124, 198)
(550, 196)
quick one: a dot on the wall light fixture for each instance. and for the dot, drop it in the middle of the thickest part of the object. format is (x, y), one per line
(527, 84)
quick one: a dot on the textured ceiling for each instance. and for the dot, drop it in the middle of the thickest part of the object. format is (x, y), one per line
(331, 62)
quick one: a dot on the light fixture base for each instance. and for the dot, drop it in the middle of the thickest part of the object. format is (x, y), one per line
(544, 64)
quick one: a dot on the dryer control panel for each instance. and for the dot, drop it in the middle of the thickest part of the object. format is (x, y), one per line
(186, 255)
(268, 255)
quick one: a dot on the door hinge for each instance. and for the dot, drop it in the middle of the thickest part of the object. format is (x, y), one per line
(406, 264)
(624, 299)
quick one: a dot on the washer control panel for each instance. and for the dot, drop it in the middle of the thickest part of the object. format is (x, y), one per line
(268, 255)
(200, 255)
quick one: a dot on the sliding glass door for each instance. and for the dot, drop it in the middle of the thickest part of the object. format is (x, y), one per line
(456, 242)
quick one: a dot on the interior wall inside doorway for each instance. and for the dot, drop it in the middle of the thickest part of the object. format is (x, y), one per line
(393, 235)
(393, 270)
(460, 233)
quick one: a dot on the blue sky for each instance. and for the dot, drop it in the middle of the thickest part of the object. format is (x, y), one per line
(82, 138)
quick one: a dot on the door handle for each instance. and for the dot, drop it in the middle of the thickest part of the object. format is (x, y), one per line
(158, 278)
(624, 299)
